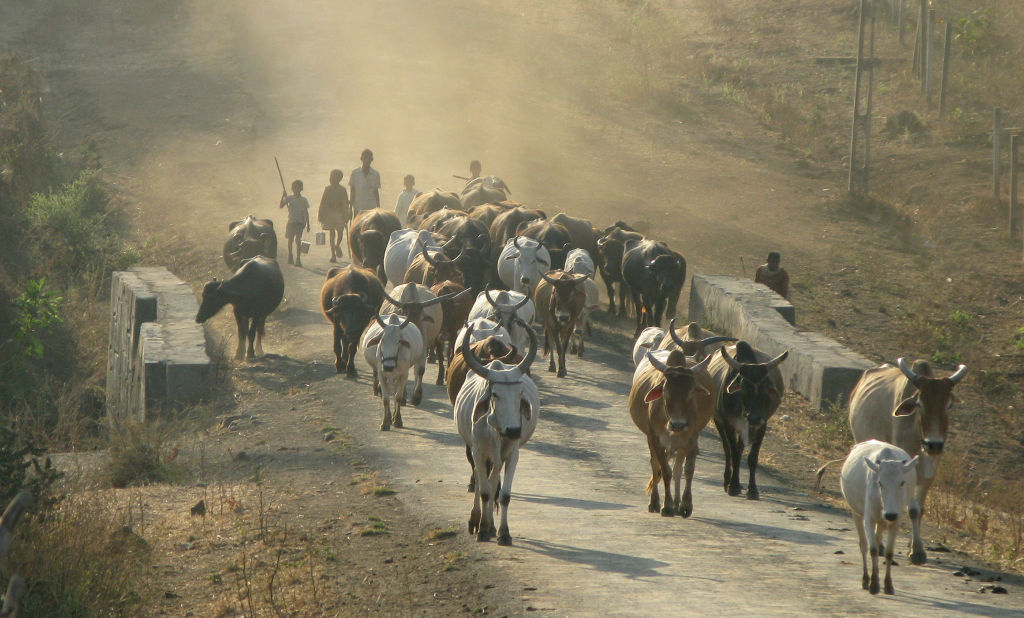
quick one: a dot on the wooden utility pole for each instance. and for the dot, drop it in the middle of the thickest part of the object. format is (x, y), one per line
(1013, 186)
(945, 68)
(860, 134)
(997, 133)
(929, 55)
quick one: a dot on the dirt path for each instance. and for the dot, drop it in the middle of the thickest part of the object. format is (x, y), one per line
(189, 103)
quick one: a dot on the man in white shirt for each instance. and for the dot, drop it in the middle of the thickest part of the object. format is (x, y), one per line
(405, 197)
(364, 185)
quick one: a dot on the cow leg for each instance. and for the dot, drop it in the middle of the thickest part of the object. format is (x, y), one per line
(561, 343)
(917, 552)
(733, 447)
(250, 351)
(243, 332)
(340, 351)
(610, 287)
(686, 502)
(439, 355)
(505, 493)
(623, 309)
(869, 533)
(677, 474)
(385, 423)
(658, 454)
(889, 544)
(659, 310)
(400, 380)
(261, 328)
(755, 450)
(472, 469)
(417, 390)
(485, 481)
(350, 356)
(548, 335)
(474, 515)
(376, 382)
(652, 486)
(858, 523)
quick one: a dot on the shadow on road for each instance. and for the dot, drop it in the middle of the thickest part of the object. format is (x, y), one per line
(630, 566)
(573, 503)
(772, 532)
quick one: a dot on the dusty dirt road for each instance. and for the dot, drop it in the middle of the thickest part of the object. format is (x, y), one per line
(189, 103)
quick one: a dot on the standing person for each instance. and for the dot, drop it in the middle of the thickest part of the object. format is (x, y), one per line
(298, 218)
(773, 275)
(405, 197)
(364, 185)
(474, 169)
(335, 211)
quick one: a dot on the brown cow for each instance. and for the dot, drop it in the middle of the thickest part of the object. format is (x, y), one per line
(505, 225)
(428, 202)
(349, 300)
(907, 406)
(455, 311)
(368, 235)
(671, 401)
(427, 269)
(560, 298)
(610, 249)
(486, 213)
(580, 231)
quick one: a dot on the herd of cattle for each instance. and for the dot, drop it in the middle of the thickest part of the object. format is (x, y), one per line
(473, 272)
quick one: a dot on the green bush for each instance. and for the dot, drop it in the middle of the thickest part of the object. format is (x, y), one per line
(22, 469)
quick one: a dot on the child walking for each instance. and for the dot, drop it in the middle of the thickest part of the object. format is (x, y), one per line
(298, 218)
(335, 212)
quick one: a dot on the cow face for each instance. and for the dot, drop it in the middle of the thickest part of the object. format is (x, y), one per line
(390, 343)
(568, 297)
(667, 270)
(351, 313)
(213, 301)
(678, 389)
(894, 480)
(930, 405)
(506, 408)
(530, 259)
(750, 385)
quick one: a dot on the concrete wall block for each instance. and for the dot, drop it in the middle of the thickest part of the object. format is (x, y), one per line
(817, 367)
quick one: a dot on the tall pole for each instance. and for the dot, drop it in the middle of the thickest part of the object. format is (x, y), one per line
(1013, 186)
(922, 36)
(902, 23)
(997, 133)
(860, 133)
(945, 68)
(929, 55)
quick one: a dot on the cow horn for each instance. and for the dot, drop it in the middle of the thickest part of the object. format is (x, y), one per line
(394, 302)
(458, 258)
(601, 241)
(471, 359)
(961, 371)
(672, 333)
(550, 280)
(717, 339)
(515, 242)
(426, 255)
(907, 371)
(733, 363)
(520, 304)
(440, 299)
(702, 364)
(657, 364)
(487, 295)
(404, 323)
(524, 365)
(773, 363)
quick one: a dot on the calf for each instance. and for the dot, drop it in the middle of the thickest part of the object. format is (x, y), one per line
(349, 299)
(560, 300)
(495, 413)
(878, 482)
(908, 406)
(748, 390)
(391, 348)
(254, 291)
(671, 402)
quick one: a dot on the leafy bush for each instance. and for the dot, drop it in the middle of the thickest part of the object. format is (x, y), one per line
(20, 468)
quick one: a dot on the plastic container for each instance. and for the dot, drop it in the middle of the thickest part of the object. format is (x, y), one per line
(321, 238)
(304, 247)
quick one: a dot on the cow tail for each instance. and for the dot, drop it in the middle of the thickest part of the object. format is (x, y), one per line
(821, 472)
(651, 483)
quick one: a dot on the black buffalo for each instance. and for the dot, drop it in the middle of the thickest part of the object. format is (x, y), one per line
(254, 291)
(349, 300)
(368, 236)
(247, 239)
(655, 276)
(555, 238)
(610, 249)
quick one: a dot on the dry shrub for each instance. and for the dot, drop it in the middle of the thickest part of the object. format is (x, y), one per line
(141, 453)
(78, 560)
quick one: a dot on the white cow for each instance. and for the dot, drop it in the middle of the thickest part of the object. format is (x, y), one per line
(649, 339)
(403, 247)
(482, 329)
(392, 346)
(878, 482)
(495, 413)
(424, 308)
(521, 263)
(579, 261)
(503, 307)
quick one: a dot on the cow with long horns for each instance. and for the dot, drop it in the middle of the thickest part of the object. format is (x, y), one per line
(433, 265)
(504, 307)
(392, 345)
(908, 406)
(495, 413)
(748, 390)
(560, 300)
(692, 340)
(521, 264)
(671, 401)
(423, 308)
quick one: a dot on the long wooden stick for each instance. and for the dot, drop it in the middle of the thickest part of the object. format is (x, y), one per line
(281, 176)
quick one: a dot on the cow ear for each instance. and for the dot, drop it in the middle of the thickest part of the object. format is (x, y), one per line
(654, 394)
(735, 385)
(873, 465)
(907, 407)
(953, 400)
(512, 256)
(481, 409)
(374, 341)
(525, 409)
